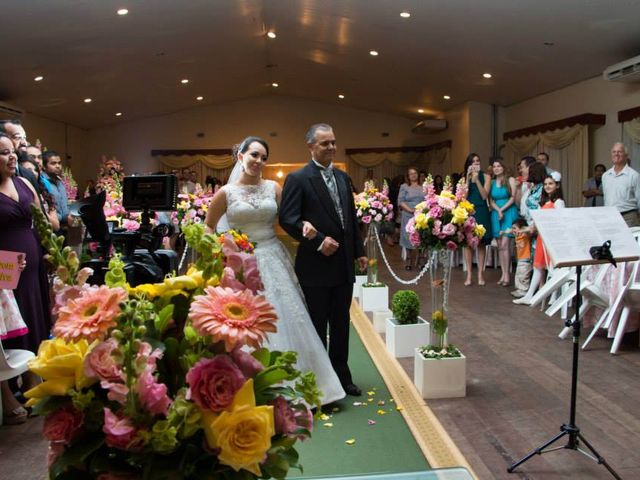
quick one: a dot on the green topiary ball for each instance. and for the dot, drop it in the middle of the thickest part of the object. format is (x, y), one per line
(405, 306)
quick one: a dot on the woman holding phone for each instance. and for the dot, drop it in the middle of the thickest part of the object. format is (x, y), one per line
(479, 186)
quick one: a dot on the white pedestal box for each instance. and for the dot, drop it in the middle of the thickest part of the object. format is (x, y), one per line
(380, 320)
(402, 340)
(373, 299)
(360, 279)
(440, 378)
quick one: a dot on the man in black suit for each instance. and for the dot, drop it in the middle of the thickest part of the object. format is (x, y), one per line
(321, 195)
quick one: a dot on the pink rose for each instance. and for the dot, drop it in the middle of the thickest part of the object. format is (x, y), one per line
(120, 432)
(152, 395)
(411, 226)
(366, 219)
(473, 241)
(62, 425)
(246, 362)
(449, 229)
(437, 225)
(289, 418)
(451, 245)
(213, 382)
(101, 364)
(435, 212)
(414, 238)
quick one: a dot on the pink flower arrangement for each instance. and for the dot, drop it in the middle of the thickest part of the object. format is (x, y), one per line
(192, 207)
(444, 221)
(373, 205)
(70, 185)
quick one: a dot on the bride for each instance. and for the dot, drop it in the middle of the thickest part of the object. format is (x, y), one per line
(250, 204)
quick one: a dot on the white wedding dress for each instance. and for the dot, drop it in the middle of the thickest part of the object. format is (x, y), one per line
(253, 210)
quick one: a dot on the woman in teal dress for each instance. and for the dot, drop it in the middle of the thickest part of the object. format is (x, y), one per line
(503, 213)
(479, 186)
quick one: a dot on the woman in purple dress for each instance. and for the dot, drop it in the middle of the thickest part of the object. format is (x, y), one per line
(16, 197)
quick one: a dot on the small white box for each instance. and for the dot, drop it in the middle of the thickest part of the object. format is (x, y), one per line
(402, 340)
(374, 298)
(360, 279)
(440, 377)
(380, 320)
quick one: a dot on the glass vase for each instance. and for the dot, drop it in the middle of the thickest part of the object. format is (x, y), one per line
(372, 253)
(440, 276)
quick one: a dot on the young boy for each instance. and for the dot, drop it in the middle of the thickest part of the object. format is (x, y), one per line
(521, 231)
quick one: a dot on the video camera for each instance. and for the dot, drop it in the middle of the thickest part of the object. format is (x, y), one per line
(145, 261)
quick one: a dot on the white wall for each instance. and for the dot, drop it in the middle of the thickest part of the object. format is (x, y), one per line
(223, 125)
(595, 95)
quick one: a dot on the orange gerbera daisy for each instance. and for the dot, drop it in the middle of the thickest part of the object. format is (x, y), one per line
(90, 315)
(237, 318)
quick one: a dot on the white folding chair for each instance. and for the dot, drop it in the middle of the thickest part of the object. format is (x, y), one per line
(13, 362)
(557, 278)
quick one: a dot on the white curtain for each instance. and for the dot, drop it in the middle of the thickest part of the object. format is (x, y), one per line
(568, 150)
(218, 166)
(631, 139)
(379, 165)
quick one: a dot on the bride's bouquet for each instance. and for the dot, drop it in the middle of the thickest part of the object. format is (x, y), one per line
(168, 380)
(444, 221)
(373, 205)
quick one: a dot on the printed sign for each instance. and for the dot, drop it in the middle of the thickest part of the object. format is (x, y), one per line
(9, 272)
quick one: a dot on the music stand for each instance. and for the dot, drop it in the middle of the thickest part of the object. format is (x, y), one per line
(570, 235)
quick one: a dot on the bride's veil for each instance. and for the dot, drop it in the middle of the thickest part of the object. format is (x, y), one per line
(223, 224)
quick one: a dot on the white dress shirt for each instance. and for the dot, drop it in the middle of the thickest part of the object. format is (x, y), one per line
(621, 190)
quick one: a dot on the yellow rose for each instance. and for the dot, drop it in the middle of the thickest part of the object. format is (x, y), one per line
(459, 215)
(479, 230)
(61, 366)
(421, 221)
(420, 207)
(447, 194)
(242, 433)
(170, 287)
(467, 205)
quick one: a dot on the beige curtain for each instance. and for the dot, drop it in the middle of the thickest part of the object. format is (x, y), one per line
(568, 150)
(631, 139)
(380, 165)
(218, 166)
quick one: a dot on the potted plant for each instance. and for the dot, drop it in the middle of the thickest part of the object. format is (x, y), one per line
(406, 330)
(440, 372)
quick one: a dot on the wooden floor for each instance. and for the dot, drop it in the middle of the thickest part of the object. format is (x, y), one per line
(518, 386)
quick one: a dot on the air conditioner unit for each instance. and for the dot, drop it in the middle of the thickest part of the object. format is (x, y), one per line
(627, 71)
(9, 112)
(430, 125)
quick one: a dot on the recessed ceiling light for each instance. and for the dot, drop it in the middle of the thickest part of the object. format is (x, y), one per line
(486, 75)
(274, 85)
(87, 100)
(373, 53)
(446, 97)
(123, 11)
(405, 14)
(420, 110)
(271, 34)
(200, 98)
(119, 114)
(184, 81)
(341, 96)
(39, 78)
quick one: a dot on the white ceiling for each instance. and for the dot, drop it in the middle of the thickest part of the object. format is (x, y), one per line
(134, 63)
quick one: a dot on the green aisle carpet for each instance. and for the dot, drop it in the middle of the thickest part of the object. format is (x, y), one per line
(381, 447)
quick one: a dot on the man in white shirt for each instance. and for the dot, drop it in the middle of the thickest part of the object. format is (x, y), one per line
(621, 186)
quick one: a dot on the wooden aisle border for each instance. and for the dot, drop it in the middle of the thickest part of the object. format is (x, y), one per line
(432, 438)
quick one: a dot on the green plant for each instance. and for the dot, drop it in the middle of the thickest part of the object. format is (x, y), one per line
(434, 352)
(405, 306)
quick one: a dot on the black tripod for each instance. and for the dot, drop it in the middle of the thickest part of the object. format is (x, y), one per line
(571, 429)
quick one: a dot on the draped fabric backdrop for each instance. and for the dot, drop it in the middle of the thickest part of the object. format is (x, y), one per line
(380, 164)
(631, 139)
(217, 165)
(568, 150)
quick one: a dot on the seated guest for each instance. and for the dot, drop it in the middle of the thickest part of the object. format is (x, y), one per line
(52, 181)
(621, 186)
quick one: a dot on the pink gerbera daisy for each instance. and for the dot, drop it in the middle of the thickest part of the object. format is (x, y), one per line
(237, 318)
(90, 315)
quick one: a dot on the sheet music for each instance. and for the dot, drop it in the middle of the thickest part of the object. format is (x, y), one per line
(569, 233)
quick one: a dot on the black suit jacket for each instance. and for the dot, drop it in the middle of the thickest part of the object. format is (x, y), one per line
(305, 196)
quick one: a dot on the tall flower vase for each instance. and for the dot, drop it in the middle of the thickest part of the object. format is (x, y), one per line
(440, 276)
(372, 253)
